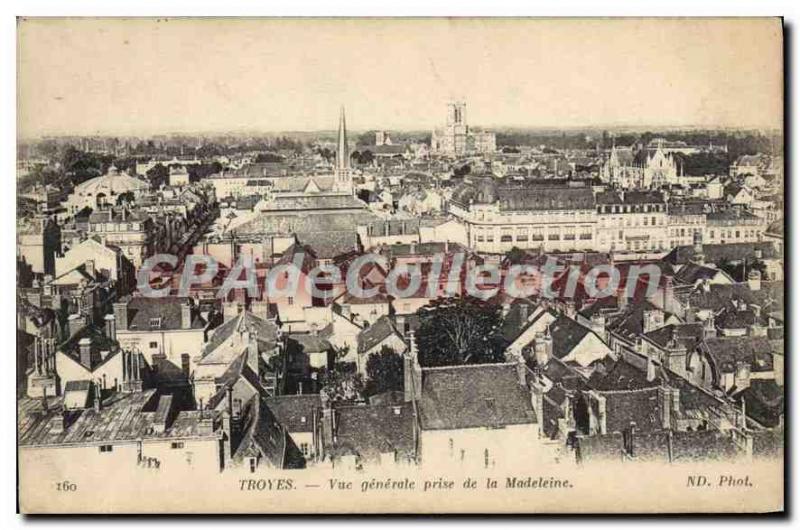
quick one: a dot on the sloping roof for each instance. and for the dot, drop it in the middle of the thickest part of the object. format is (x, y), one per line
(727, 351)
(769, 297)
(764, 401)
(263, 435)
(566, 334)
(300, 222)
(295, 412)
(622, 376)
(474, 396)
(692, 273)
(266, 333)
(719, 252)
(368, 431)
(141, 310)
(375, 334)
(328, 245)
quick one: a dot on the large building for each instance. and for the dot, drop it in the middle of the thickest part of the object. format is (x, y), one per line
(456, 139)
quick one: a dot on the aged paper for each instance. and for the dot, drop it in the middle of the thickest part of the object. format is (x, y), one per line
(314, 266)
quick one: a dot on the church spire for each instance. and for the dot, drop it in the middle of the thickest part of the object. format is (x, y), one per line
(342, 154)
(344, 180)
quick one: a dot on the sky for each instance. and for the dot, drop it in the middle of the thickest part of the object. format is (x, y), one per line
(150, 76)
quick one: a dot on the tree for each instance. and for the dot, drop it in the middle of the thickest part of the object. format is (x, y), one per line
(342, 384)
(460, 330)
(384, 372)
(158, 175)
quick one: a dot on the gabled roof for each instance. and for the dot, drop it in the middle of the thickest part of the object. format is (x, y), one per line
(266, 334)
(295, 412)
(474, 396)
(375, 334)
(263, 436)
(566, 334)
(369, 431)
(729, 251)
(726, 352)
(764, 401)
(142, 310)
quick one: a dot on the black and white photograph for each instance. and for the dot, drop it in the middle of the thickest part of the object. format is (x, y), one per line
(400, 265)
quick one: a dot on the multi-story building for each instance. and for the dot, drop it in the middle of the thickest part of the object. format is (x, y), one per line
(554, 218)
(133, 232)
(631, 221)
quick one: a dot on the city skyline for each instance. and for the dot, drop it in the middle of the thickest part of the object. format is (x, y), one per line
(286, 75)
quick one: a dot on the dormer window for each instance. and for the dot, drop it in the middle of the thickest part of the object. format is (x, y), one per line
(155, 323)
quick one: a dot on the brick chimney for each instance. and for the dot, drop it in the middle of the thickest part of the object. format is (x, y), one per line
(121, 315)
(111, 327)
(85, 349)
(75, 323)
(186, 314)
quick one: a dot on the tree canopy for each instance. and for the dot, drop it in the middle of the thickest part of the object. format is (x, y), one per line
(384, 372)
(460, 330)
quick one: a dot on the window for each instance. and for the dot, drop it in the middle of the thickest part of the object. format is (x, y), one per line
(155, 322)
(106, 448)
(176, 445)
(290, 300)
(505, 239)
(304, 448)
(253, 464)
(153, 344)
(486, 458)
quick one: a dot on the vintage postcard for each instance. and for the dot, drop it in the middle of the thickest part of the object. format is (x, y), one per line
(464, 265)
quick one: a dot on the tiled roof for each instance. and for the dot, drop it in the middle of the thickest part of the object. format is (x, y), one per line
(122, 417)
(566, 334)
(368, 431)
(142, 310)
(719, 252)
(375, 334)
(727, 351)
(764, 401)
(474, 396)
(295, 412)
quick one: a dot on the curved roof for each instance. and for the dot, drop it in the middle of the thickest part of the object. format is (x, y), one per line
(114, 182)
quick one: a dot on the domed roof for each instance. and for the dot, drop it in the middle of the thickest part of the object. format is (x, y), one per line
(114, 182)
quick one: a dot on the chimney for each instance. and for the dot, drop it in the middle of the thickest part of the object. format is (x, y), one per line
(252, 351)
(754, 280)
(260, 309)
(666, 406)
(523, 312)
(89, 267)
(697, 240)
(229, 310)
(186, 314)
(121, 315)
(111, 327)
(75, 323)
(651, 369)
(98, 398)
(622, 298)
(85, 349)
(522, 371)
(543, 347)
(412, 372)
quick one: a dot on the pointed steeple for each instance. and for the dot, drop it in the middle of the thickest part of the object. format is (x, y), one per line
(342, 154)
(343, 181)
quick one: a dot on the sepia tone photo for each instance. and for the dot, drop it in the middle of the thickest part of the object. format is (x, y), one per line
(400, 266)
